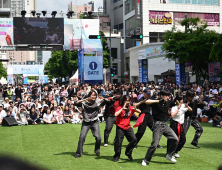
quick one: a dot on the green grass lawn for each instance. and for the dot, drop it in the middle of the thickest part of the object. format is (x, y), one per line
(54, 146)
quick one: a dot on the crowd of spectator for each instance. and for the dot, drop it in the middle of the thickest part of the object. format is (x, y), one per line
(54, 103)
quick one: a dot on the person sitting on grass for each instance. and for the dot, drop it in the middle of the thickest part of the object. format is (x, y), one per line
(76, 116)
(2, 113)
(67, 114)
(48, 117)
(6, 105)
(33, 119)
(22, 116)
(58, 114)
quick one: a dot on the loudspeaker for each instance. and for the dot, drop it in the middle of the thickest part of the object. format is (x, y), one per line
(9, 121)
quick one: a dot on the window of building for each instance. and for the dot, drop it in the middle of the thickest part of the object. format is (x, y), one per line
(127, 64)
(121, 6)
(85, 9)
(129, 6)
(116, 7)
(116, 27)
(131, 25)
(158, 37)
(114, 53)
(121, 26)
(115, 67)
(105, 24)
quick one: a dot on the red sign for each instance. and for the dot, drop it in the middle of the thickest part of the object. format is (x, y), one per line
(211, 69)
(188, 64)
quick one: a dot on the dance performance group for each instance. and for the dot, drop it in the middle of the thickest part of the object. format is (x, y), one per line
(119, 110)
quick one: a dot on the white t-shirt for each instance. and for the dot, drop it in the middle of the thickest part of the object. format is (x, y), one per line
(6, 105)
(48, 117)
(2, 114)
(213, 91)
(180, 115)
(220, 89)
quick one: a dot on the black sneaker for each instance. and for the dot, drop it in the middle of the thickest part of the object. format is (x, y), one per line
(115, 159)
(130, 157)
(159, 147)
(194, 144)
(97, 154)
(77, 156)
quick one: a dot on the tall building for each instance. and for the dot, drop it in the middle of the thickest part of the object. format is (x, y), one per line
(18, 5)
(114, 8)
(21, 57)
(158, 16)
(5, 6)
(78, 9)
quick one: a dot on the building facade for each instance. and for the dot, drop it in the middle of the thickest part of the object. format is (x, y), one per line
(79, 9)
(159, 16)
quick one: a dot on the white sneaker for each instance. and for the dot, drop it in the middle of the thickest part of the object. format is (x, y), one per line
(105, 145)
(171, 158)
(176, 155)
(144, 163)
(210, 121)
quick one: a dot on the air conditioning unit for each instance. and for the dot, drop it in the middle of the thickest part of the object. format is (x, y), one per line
(115, 31)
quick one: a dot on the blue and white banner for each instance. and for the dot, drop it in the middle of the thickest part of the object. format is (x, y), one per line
(25, 80)
(93, 68)
(143, 71)
(25, 69)
(180, 72)
(41, 79)
(10, 79)
(46, 79)
(80, 66)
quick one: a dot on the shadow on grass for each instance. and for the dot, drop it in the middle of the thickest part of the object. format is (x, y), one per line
(140, 161)
(109, 158)
(74, 154)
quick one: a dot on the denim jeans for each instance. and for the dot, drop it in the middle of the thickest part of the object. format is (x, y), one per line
(110, 121)
(161, 128)
(57, 98)
(94, 126)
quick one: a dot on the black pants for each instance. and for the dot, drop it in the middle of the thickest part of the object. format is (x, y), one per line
(110, 121)
(197, 126)
(130, 136)
(30, 122)
(210, 114)
(94, 126)
(182, 141)
(148, 121)
(159, 129)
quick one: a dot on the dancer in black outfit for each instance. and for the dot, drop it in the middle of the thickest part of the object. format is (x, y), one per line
(160, 127)
(190, 117)
(148, 119)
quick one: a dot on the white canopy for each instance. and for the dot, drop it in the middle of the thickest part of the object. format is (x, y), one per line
(74, 78)
(3, 80)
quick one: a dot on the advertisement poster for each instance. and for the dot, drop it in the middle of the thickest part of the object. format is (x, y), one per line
(80, 66)
(93, 68)
(160, 17)
(211, 19)
(10, 79)
(144, 71)
(213, 69)
(75, 29)
(46, 79)
(138, 12)
(6, 32)
(25, 80)
(155, 51)
(180, 73)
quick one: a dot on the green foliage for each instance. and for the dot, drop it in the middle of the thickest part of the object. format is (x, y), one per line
(3, 72)
(88, 17)
(105, 50)
(216, 53)
(193, 45)
(62, 63)
(53, 147)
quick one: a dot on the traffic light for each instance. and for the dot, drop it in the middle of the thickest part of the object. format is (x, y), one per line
(94, 37)
(112, 72)
(137, 36)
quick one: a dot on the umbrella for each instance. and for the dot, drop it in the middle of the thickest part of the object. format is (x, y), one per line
(218, 75)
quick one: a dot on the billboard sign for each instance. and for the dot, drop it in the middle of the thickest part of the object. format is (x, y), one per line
(25, 69)
(80, 66)
(93, 68)
(180, 72)
(160, 17)
(38, 30)
(138, 12)
(6, 32)
(77, 29)
(210, 19)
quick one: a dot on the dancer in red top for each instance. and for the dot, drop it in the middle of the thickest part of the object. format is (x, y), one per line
(123, 128)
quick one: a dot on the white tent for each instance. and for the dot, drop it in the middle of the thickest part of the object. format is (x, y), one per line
(3, 80)
(74, 78)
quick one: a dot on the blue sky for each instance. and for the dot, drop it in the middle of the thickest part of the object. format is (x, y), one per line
(61, 5)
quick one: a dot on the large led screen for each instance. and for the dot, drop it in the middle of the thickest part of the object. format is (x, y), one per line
(38, 30)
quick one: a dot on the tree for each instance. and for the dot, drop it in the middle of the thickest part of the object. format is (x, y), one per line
(62, 63)
(216, 52)
(81, 16)
(3, 72)
(105, 50)
(195, 45)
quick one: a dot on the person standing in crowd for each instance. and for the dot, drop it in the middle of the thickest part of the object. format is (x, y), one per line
(123, 128)
(57, 95)
(2, 113)
(18, 92)
(4, 91)
(148, 119)
(63, 93)
(73, 90)
(178, 114)
(160, 112)
(9, 93)
(190, 117)
(109, 114)
(91, 107)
